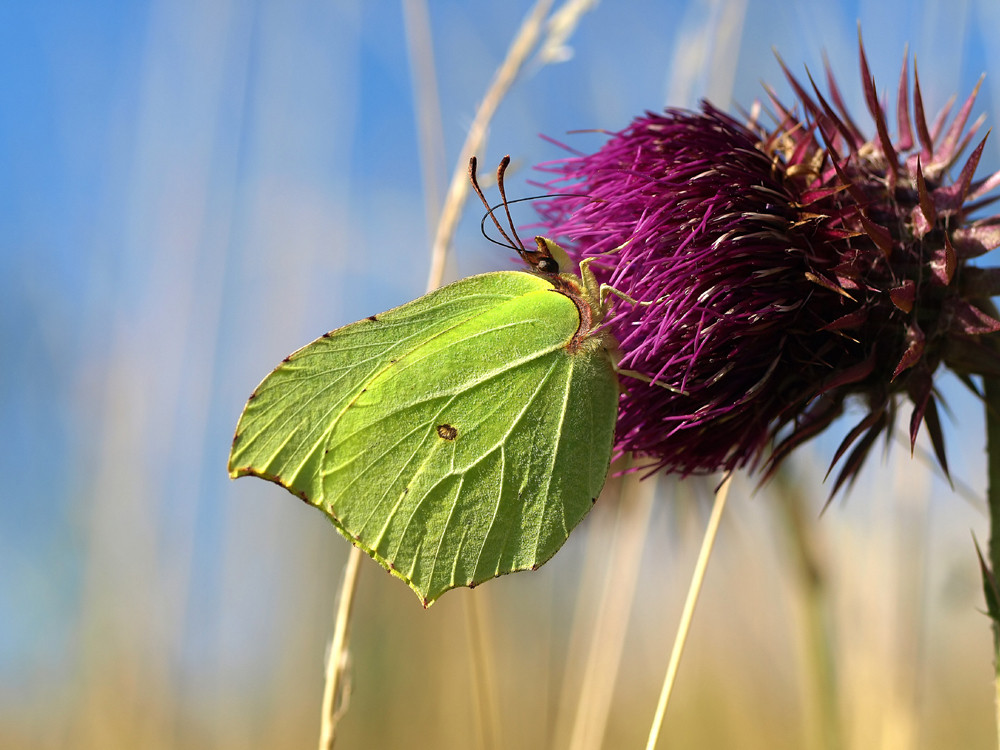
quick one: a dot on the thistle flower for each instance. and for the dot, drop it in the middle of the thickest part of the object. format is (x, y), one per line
(785, 272)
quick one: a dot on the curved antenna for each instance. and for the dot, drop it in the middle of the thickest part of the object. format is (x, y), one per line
(482, 231)
(475, 186)
(482, 222)
(540, 258)
(504, 163)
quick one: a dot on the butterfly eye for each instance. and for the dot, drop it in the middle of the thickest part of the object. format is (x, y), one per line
(547, 265)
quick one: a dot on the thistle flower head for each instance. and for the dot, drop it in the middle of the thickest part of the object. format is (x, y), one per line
(783, 272)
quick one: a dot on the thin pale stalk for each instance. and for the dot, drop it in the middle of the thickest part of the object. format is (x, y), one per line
(707, 544)
(487, 720)
(996, 693)
(525, 42)
(427, 105)
(424, 82)
(336, 661)
(484, 680)
(617, 597)
(583, 622)
(520, 49)
(823, 672)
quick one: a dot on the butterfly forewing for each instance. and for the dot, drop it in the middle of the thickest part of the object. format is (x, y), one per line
(454, 439)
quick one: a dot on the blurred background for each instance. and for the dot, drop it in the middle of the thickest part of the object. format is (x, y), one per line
(191, 190)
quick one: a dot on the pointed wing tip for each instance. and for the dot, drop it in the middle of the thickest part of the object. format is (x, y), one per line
(424, 596)
(236, 470)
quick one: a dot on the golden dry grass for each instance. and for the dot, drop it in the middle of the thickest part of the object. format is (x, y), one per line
(201, 616)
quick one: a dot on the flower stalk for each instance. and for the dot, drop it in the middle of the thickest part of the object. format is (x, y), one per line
(988, 568)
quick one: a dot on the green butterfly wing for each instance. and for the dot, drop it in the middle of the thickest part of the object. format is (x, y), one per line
(455, 438)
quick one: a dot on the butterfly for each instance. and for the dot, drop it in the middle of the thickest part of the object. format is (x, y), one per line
(458, 437)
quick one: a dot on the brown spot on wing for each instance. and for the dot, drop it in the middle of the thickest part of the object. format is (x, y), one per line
(447, 432)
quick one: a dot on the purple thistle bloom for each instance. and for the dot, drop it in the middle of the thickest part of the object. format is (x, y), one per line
(788, 271)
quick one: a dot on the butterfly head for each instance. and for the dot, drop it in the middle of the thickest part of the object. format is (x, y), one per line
(546, 257)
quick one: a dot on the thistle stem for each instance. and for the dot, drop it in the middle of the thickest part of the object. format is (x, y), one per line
(992, 390)
(707, 544)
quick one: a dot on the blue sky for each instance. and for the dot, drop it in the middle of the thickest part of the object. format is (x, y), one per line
(190, 190)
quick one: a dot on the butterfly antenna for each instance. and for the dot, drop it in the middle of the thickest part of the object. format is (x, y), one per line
(489, 210)
(504, 163)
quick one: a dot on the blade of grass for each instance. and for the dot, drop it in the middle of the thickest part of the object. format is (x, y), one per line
(423, 79)
(484, 679)
(614, 609)
(336, 661)
(707, 544)
(520, 50)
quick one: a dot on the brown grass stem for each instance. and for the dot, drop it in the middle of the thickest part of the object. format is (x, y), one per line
(707, 544)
